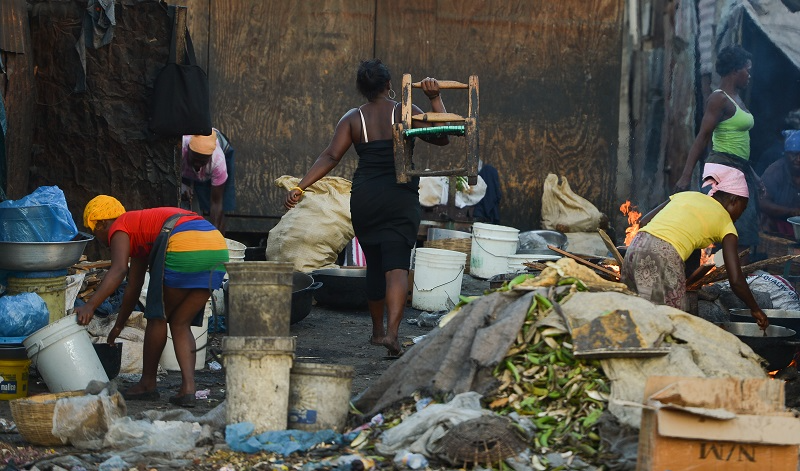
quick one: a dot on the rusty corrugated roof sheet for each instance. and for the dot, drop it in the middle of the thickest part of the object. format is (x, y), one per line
(13, 25)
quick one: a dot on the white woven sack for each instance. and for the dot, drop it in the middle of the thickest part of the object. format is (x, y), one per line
(312, 234)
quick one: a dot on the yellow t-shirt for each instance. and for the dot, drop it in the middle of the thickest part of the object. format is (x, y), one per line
(690, 221)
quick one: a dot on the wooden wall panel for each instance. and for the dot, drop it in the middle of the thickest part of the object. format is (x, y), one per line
(549, 75)
(282, 74)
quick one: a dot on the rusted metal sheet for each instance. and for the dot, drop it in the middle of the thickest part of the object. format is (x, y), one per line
(550, 75)
(281, 75)
(14, 33)
(96, 142)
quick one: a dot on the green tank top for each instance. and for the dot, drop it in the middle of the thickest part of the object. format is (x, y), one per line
(732, 136)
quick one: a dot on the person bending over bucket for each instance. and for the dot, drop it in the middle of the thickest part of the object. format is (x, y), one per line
(185, 255)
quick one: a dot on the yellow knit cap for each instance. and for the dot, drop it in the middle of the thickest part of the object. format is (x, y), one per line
(203, 144)
(101, 207)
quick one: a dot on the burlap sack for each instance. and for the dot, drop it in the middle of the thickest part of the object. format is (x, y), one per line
(563, 210)
(313, 233)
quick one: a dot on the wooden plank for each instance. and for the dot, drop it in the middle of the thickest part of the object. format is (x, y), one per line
(445, 85)
(282, 74)
(437, 117)
(585, 262)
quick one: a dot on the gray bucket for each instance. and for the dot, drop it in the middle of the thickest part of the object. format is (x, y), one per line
(259, 298)
(257, 378)
(319, 396)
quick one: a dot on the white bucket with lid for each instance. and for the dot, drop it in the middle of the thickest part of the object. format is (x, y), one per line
(438, 275)
(169, 361)
(491, 246)
(63, 354)
(516, 262)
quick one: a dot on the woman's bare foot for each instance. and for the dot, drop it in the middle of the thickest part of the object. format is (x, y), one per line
(379, 341)
(393, 347)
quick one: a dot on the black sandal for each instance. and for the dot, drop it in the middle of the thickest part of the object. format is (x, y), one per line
(142, 396)
(187, 400)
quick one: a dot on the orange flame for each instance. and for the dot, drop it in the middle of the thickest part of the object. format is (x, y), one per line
(772, 374)
(633, 220)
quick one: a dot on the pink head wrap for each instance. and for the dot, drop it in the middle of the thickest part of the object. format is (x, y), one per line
(724, 178)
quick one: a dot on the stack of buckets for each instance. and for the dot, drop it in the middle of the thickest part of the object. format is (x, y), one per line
(491, 247)
(264, 385)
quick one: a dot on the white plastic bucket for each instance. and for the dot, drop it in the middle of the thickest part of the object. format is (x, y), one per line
(235, 250)
(319, 396)
(168, 359)
(64, 355)
(437, 279)
(257, 380)
(516, 262)
(491, 246)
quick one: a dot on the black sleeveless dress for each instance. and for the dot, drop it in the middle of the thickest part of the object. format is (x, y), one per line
(381, 209)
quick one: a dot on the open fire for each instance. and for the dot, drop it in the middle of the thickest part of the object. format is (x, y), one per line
(633, 221)
(631, 211)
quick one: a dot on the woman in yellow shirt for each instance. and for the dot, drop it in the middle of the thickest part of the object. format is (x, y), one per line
(654, 262)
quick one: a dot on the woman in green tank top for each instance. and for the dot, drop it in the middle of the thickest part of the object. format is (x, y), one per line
(726, 125)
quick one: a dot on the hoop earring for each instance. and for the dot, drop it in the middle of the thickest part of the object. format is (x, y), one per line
(392, 94)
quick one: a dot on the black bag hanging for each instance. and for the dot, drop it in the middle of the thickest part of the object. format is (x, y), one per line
(180, 104)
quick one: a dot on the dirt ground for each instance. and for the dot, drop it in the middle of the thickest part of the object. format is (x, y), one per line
(326, 336)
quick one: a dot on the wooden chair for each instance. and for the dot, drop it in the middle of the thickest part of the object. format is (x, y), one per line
(451, 124)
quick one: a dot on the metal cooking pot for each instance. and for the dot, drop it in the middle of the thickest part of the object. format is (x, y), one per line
(303, 287)
(342, 288)
(777, 348)
(781, 317)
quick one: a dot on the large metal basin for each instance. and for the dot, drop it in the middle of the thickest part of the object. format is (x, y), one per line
(778, 347)
(342, 288)
(42, 256)
(779, 317)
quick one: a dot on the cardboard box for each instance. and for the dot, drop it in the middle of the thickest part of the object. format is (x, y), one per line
(730, 424)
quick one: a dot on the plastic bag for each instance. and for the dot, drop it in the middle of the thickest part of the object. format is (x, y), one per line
(42, 216)
(22, 314)
(142, 436)
(84, 420)
(313, 233)
(563, 210)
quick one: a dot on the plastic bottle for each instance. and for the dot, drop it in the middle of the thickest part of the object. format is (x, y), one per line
(406, 459)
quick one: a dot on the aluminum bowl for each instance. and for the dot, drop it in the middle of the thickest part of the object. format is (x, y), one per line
(536, 242)
(42, 256)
